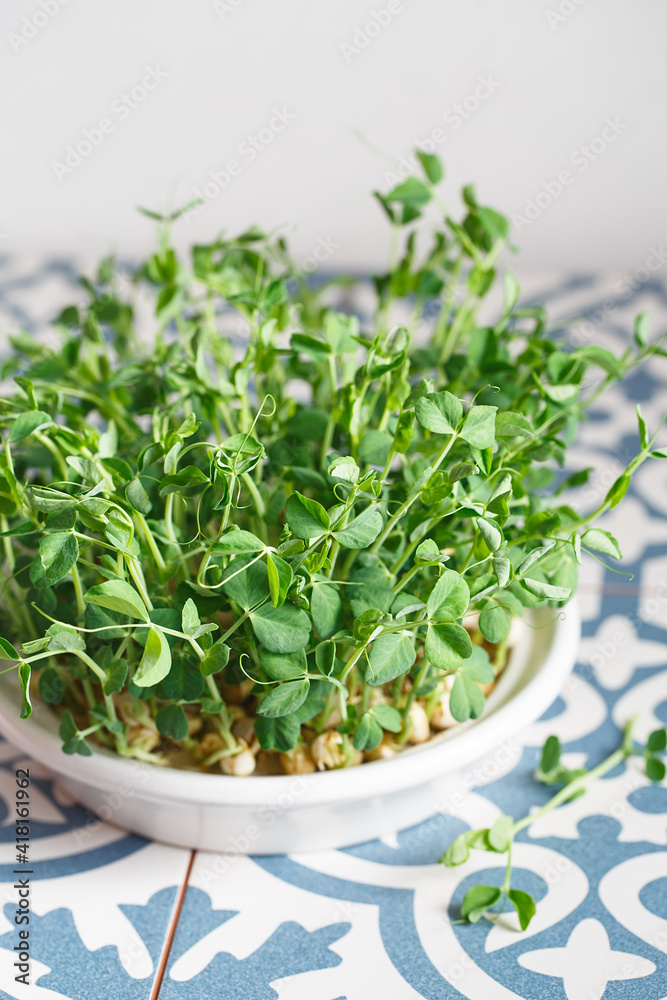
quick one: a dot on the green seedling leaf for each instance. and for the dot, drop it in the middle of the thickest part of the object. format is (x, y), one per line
(524, 904)
(117, 595)
(326, 608)
(657, 741)
(216, 659)
(156, 661)
(368, 734)
(58, 552)
(477, 901)
(457, 853)
(479, 428)
(281, 630)
(450, 597)
(388, 717)
(284, 699)
(362, 531)
(601, 541)
(306, 518)
(9, 652)
(439, 412)
(447, 645)
(172, 722)
(391, 656)
(501, 834)
(655, 769)
(237, 542)
(283, 666)
(24, 681)
(491, 534)
(27, 423)
(550, 755)
(494, 624)
(280, 578)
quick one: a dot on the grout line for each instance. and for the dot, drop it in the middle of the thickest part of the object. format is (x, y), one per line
(171, 931)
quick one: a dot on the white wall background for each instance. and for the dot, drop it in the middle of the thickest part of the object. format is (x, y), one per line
(558, 70)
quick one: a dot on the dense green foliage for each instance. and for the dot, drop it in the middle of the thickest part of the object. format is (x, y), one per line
(338, 505)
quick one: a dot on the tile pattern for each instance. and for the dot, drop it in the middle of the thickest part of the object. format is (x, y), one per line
(376, 919)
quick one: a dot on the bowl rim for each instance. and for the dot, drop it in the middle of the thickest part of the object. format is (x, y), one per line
(414, 766)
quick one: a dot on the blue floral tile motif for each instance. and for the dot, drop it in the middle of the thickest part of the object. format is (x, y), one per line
(289, 951)
(73, 971)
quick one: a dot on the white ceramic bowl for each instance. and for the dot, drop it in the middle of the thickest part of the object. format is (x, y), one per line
(282, 813)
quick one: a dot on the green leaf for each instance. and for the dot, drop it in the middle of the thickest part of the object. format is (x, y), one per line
(306, 518)
(246, 582)
(502, 568)
(362, 531)
(188, 480)
(189, 617)
(427, 551)
(643, 432)
(655, 769)
(137, 496)
(500, 835)
(368, 734)
(618, 490)
(478, 900)
(457, 853)
(281, 630)
(602, 541)
(546, 590)
(280, 578)
(491, 534)
(156, 661)
(524, 904)
(171, 721)
(550, 755)
(450, 597)
(388, 717)
(494, 624)
(391, 656)
(325, 657)
(58, 552)
(280, 734)
(7, 651)
(447, 645)
(27, 423)
(479, 428)
(657, 741)
(431, 165)
(439, 412)
(411, 192)
(511, 424)
(641, 327)
(184, 682)
(116, 676)
(283, 666)
(216, 659)
(24, 681)
(284, 699)
(344, 468)
(117, 595)
(374, 447)
(466, 700)
(326, 608)
(237, 542)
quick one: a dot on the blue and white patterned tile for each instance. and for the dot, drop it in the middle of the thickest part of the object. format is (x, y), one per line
(101, 898)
